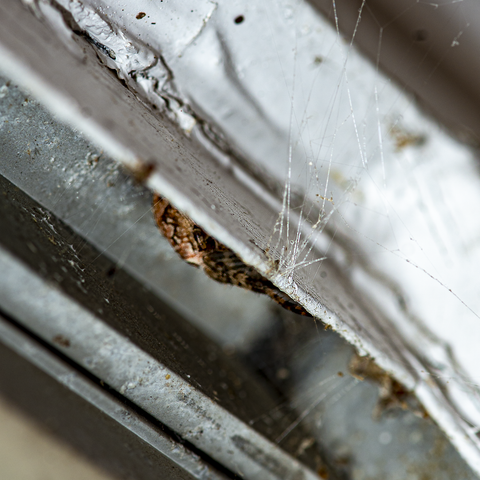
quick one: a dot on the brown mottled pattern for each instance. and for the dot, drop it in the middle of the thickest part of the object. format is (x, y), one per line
(198, 248)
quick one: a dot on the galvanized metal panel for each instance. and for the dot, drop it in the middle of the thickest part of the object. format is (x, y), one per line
(129, 339)
(227, 207)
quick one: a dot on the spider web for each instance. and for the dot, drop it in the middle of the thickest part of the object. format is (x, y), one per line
(375, 182)
(366, 180)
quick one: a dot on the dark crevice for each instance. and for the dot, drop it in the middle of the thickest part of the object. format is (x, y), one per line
(112, 392)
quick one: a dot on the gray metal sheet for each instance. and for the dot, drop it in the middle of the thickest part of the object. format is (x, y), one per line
(87, 416)
(226, 205)
(95, 196)
(336, 410)
(126, 337)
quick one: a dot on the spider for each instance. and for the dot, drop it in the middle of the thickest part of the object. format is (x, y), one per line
(219, 262)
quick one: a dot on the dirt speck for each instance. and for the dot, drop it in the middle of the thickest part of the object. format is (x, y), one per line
(61, 340)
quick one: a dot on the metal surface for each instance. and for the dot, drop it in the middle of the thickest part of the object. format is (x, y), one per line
(60, 289)
(396, 444)
(96, 197)
(374, 301)
(337, 411)
(225, 208)
(89, 417)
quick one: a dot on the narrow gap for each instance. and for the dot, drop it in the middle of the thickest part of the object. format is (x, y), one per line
(128, 404)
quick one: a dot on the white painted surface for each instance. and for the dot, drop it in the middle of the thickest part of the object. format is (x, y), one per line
(399, 194)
